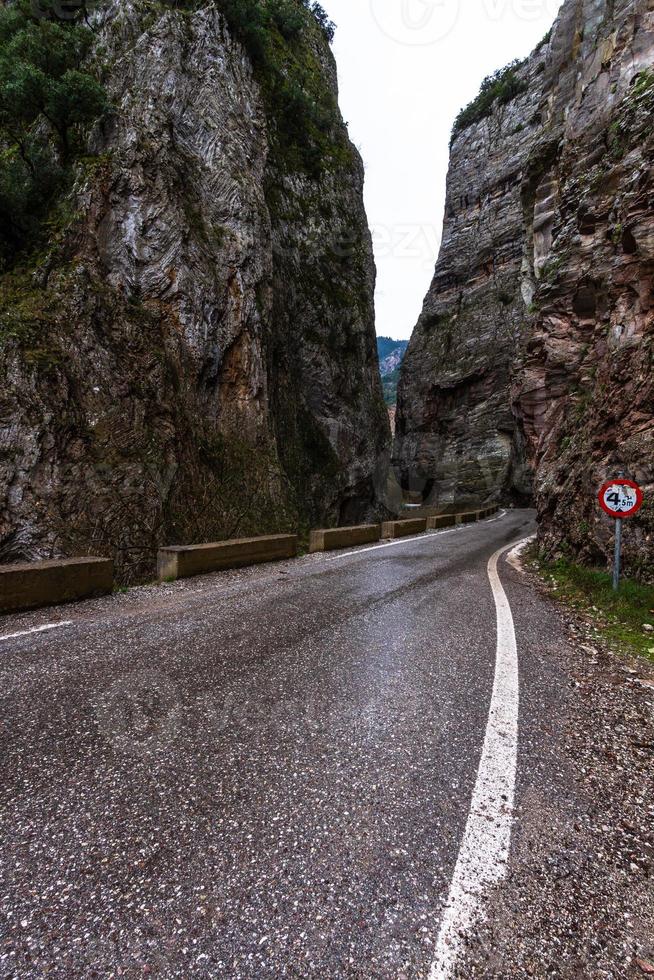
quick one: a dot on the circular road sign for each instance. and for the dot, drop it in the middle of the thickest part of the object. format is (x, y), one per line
(621, 498)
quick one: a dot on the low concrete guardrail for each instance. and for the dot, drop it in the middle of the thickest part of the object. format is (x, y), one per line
(45, 583)
(441, 520)
(184, 561)
(402, 529)
(33, 584)
(344, 537)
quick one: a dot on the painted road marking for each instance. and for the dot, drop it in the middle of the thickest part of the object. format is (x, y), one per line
(514, 557)
(484, 853)
(421, 537)
(36, 629)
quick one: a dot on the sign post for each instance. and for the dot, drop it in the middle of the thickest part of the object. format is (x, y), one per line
(617, 561)
(620, 498)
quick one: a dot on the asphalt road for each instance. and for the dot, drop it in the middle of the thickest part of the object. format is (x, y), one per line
(265, 773)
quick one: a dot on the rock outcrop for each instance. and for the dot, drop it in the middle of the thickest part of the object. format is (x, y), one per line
(192, 356)
(530, 370)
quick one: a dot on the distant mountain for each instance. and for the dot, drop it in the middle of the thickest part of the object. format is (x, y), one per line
(391, 354)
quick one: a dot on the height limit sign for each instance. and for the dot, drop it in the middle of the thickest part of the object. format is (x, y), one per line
(620, 498)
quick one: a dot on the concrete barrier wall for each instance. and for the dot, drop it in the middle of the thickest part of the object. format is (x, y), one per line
(198, 559)
(468, 518)
(449, 520)
(46, 583)
(441, 520)
(344, 537)
(402, 529)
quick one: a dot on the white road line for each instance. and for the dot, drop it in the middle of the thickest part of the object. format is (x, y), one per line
(514, 557)
(484, 852)
(36, 629)
(420, 537)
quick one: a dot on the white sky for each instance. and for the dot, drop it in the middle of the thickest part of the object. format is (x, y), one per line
(406, 67)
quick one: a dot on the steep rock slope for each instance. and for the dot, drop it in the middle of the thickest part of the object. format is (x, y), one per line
(457, 442)
(530, 367)
(192, 354)
(584, 386)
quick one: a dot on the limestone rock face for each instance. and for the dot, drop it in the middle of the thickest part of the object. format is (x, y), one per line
(457, 440)
(530, 369)
(194, 357)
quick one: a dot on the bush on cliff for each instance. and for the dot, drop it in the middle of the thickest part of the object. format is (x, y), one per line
(305, 135)
(498, 89)
(45, 101)
(251, 21)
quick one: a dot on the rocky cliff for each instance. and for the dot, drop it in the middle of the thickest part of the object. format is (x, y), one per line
(190, 353)
(530, 369)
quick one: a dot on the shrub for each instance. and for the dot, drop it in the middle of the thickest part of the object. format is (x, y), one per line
(303, 113)
(45, 101)
(328, 26)
(287, 18)
(498, 89)
(643, 82)
(253, 21)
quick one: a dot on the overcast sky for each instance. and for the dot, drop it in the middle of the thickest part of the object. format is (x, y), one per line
(406, 68)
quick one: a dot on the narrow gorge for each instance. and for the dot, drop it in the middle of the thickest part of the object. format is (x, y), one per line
(187, 340)
(529, 374)
(187, 344)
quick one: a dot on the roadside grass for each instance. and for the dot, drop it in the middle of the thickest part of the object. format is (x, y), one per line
(618, 616)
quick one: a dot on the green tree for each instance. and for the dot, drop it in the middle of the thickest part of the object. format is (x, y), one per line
(45, 101)
(70, 101)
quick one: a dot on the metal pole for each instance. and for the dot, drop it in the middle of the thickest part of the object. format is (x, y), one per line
(617, 561)
(618, 554)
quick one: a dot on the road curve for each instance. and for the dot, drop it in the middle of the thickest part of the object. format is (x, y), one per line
(266, 773)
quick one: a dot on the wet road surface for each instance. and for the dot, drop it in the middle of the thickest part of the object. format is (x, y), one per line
(264, 773)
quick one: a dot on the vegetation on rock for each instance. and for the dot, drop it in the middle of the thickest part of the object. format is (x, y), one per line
(389, 387)
(45, 103)
(252, 21)
(391, 354)
(497, 89)
(308, 134)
